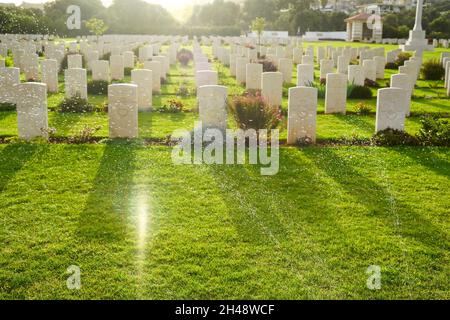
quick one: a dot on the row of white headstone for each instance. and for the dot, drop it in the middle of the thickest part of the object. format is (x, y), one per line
(393, 104)
(123, 107)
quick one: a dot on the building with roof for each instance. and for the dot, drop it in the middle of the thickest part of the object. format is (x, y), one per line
(364, 27)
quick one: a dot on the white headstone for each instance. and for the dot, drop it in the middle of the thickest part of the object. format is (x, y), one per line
(342, 65)
(326, 67)
(10, 77)
(74, 61)
(402, 81)
(305, 75)
(336, 93)
(302, 114)
(370, 70)
(123, 111)
(156, 67)
(254, 76)
(117, 67)
(128, 59)
(30, 65)
(32, 117)
(391, 109)
(49, 70)
(272, 88)
(380, 63)
(308, 60)
(356, 75)
(297, 54)
(241, 68)
(143, 78)
(213, 107)
(285, 66)
(206, 78)
(100, 70)
(76, 83)
(233, 58)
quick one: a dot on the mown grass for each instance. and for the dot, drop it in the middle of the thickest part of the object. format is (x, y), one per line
(140, 227)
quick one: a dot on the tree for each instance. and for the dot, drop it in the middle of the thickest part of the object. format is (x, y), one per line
(56, 12)
(138, 17)
(253, 9)
(258, 26)
(217, 13)
(96, 26)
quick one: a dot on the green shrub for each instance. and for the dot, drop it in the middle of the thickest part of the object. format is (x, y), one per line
(98, 87)
(85, 135)
(371, 84)
(433, 70)
(359, 92)
(127, 71)
(106, 56)
(183, 91)
(252, 112)
(268, 66)
(390, 138)
(401, 58)
(117, 81)
(184, 56)
(391, 66)
(7, 107)
(434, 131)
(75, 105)
(321, 89)
(9, 62)
(362, 109)
(172, 106)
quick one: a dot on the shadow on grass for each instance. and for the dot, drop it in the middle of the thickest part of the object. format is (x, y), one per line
(6, 114)
(378, 199)
(358, 122)
(13, 158)
(274, 208)
(105, 214)
(428, 159)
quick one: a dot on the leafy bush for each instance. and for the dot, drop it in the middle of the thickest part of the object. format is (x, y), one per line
(268, 66)
(359, 92)
(252, 112)
(173, 106)
(391, 66)
(184, 56)
(362, 109)
(75, 105)
(86, 135)
(433, 70)
(401, 58)
(7, 107)
(9, 62)
(183, 91)
(371, 84)
(321, 89)
(98, 87)
(390, 138)
(127, 71)
(106, 56)
(434, 131)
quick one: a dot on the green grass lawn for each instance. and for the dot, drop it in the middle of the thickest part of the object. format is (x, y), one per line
(140, 227)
